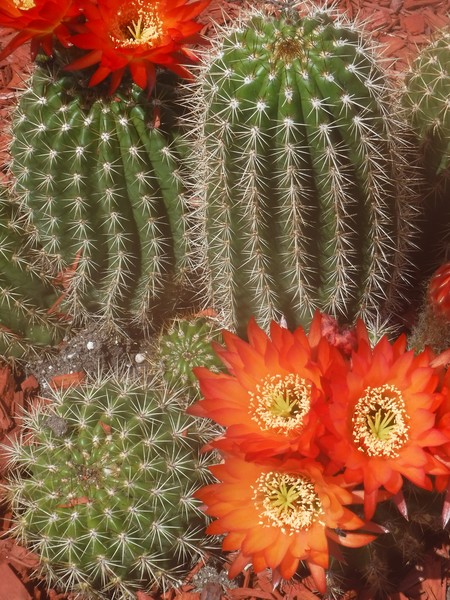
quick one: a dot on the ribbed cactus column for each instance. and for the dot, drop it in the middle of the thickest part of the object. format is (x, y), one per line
(103, 488)
(26, 295)
(98, 176)
(304, 200)
(426, 103)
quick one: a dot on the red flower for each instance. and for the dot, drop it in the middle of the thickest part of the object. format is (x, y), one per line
(383, 418)
(137, 35)
(38, 21)
(277, 518)
(272, 399)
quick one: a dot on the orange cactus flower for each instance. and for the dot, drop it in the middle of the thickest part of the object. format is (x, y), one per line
(272, 399)
(39, 21)
(276, 518)
(137, 35)
(383, 418)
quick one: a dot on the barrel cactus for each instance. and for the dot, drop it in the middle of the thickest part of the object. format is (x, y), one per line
(101, 487)
(27, 297)
(427, 100)
(299, 157)
(98, 177)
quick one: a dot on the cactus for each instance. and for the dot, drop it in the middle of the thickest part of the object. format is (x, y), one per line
(26, 296)
(426, 102)
(102, 486)
(183, 344)
(305, 203)
(98, 177)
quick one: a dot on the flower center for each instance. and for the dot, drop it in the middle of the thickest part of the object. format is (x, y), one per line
(137, 24)
(380, 422)
(24, 4)
(281, 402)
(286, 501)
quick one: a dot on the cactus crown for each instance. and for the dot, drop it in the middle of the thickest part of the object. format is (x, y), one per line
(295, 138)
(184, 344)
(102, 488)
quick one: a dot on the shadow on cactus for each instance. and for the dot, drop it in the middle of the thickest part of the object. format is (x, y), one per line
(98, 178)
(301, 162)
(27, 296)
(426, 103)
(101, 486)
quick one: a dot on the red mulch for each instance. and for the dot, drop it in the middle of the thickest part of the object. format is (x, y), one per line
(403, 26)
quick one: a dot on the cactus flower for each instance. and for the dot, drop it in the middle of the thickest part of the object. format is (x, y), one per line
(383, 415)
(37, 20)
(278, 517)
(272, 397)
(137, 35)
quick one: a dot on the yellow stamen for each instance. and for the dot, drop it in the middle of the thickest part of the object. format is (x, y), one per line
(380, 422)
(281, 402)
(24, 4)
(137, 24)
(287, 501)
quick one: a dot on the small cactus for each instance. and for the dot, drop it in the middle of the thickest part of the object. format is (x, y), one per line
(101, 487)
(98, 178)
(298, 154)
(183, 344)
(26, 295)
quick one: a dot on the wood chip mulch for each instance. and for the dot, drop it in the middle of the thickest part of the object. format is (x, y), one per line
(403, 27)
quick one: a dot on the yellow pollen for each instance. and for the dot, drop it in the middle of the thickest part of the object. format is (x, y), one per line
(137, 24)
(24, 4)
(280, 402)
(380, 422)
(287, 501)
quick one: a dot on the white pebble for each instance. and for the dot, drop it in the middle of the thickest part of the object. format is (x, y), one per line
(139, 358)
(90, 345)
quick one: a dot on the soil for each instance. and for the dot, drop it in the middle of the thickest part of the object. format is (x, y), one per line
(402, 27)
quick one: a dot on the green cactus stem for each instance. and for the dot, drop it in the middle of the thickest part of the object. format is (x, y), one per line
(183, 344)
(98, 177)
(426, 102)
(300, 159)
(27, 322)
(102, 490)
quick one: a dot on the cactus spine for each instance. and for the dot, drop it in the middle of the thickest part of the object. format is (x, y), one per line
(102, 487)
(426, 102)
(98, 177)
(304, 201)
(183, 344)
(26, 296)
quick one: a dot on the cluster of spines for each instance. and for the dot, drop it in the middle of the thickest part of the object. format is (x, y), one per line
(103, 488)
(99, 179)
(427, 101)
(185, 343)
(29, 317)
(301, 165)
